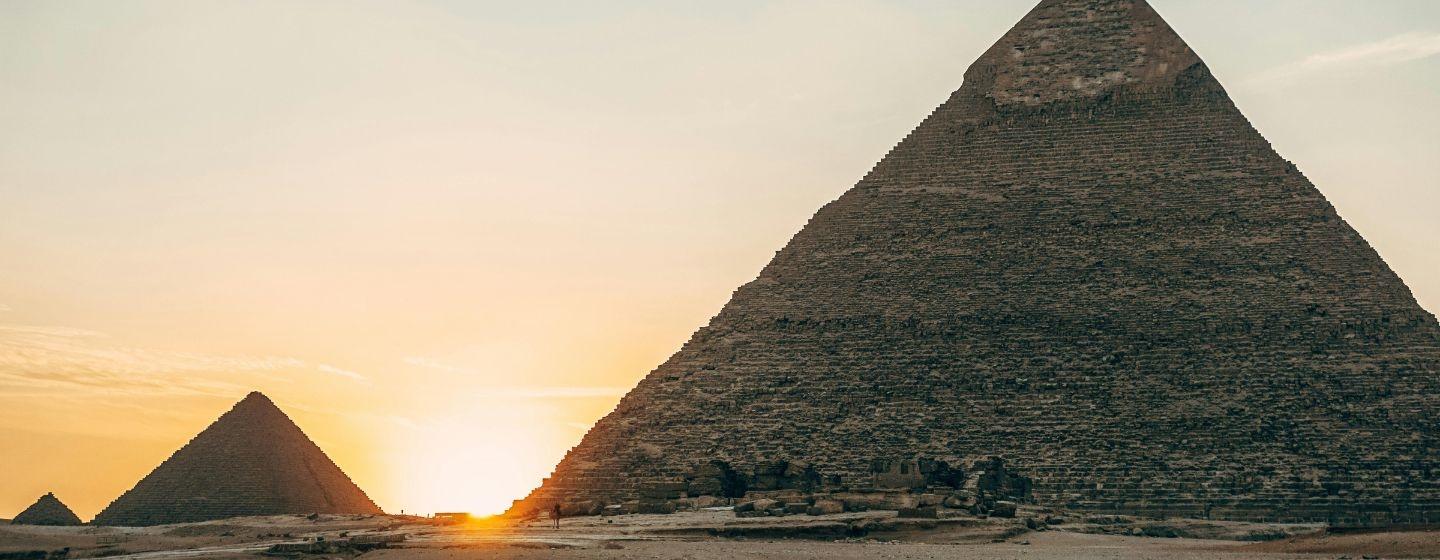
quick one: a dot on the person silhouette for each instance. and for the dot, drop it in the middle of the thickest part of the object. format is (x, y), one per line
(555, 513)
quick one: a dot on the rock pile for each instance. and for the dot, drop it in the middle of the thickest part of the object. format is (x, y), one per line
(345, 546)
(1086, 261)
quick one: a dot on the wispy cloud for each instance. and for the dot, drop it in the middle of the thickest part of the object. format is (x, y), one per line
(332, 370)
(64, 360)
(523, 392)
(432, 364)
(1407, 47)
(5, 308)
(405, 421)
(558, 392)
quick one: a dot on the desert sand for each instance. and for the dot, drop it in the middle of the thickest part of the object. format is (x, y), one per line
(709, 535)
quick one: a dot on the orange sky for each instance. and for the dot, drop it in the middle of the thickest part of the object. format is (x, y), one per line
(447, 236)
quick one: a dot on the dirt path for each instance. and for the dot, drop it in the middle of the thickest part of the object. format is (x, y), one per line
(1047, 546)
(1425, 544)
(691, 536)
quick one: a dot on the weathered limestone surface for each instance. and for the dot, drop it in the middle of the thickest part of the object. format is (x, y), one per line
(48, 510)
(1086, 261)
(252, 461)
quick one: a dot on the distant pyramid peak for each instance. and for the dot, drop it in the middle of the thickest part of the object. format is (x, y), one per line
(48, 510)
(1068, 50)
(257, 400)
(253, 460)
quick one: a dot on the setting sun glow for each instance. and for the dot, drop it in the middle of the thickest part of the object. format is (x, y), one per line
(446, 237)
(475, 460)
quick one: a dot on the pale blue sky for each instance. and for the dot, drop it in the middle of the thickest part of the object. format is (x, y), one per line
(526, 205)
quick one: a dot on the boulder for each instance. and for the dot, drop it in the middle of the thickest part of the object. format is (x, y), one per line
(703, 502)
(922, 512)
(705, 487)
(930, 500)
(826, 507)
(877, 500)
(956, 502)
(655, 507)
(1004, 508)
(662, 490)
(581, 508)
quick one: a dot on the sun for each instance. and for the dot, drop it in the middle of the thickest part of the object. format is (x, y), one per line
(476, 461)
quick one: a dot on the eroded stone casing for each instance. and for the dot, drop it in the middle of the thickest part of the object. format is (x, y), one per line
(1086, 261)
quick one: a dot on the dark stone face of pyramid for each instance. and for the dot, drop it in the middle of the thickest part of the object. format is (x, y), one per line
(48, 510)
(252, 461)
(1086, 261)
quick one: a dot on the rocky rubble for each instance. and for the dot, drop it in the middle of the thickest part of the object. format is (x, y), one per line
(927, 486)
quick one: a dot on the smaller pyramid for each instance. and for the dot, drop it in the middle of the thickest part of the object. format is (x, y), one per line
(252, 461)
(48, 510)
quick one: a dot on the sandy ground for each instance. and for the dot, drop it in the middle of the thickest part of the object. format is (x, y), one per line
(240, 537)
(716, 535)
(1414, 544)
(1052, 545)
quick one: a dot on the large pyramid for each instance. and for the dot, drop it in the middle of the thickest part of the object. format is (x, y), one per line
(251, 461)
(1086, 261)
(48, 510)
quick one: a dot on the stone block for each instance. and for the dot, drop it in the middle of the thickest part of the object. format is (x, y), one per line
(703, 502)
(923, 512)
(930, 500)
(655, 507)
(826, 507)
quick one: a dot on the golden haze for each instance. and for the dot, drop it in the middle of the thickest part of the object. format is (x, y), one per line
(446, 236)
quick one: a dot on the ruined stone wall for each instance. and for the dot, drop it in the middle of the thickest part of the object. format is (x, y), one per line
(1125, 292)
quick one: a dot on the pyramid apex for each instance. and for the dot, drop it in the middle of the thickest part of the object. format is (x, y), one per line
(254, 406)
(256, 397)
(1071, 50)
